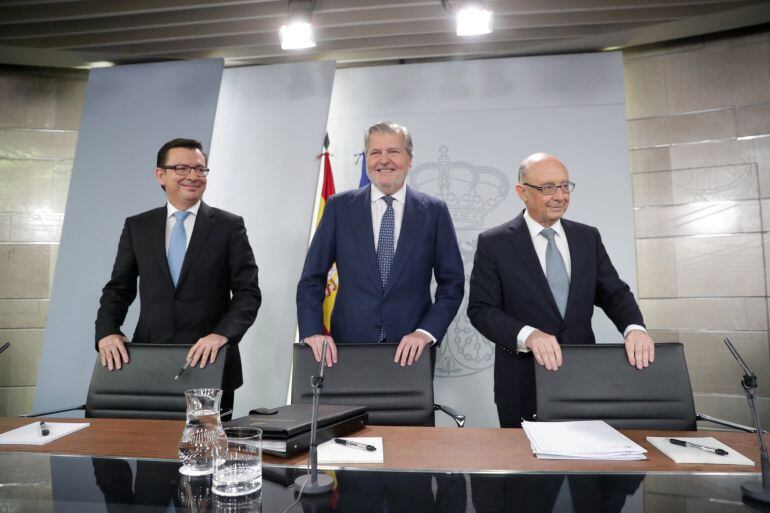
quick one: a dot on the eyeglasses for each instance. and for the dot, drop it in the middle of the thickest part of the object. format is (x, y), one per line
(183, 170)
(549, 189)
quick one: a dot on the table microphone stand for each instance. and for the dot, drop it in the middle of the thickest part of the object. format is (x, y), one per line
(312, 483)
(759, 492)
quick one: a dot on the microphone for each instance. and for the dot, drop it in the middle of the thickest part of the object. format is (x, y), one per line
(759, 492)
(312, 483)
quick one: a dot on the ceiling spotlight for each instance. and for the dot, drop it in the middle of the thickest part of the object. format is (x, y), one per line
(473, 19)
(297, 33)
(96, 65)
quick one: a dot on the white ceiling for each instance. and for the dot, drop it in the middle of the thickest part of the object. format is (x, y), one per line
(69, 33)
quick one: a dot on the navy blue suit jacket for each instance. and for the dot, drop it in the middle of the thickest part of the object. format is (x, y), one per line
(509, 290)
(427, 245)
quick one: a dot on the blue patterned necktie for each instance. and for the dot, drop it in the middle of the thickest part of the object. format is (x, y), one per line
(177, 246)
(385, 247)
(556, 271)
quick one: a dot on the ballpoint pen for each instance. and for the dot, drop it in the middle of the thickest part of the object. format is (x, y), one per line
(186, 365)
(357, 445)
(685, 443)
(5, 346)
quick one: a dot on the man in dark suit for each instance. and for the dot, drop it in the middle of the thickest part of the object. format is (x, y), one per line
(198, 278)
(534, 284)
(388, 240)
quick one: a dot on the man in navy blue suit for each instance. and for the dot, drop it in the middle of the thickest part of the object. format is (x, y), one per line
(388, 241)
(534, 284)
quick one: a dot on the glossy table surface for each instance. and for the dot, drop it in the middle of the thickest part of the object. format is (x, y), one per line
(131, 465)
(406, 448)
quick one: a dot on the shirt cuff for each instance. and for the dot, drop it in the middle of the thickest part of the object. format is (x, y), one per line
(432, 338)
(632, 327)
(521, 339)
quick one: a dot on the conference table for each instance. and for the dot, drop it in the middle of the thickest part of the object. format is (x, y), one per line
(120, 465)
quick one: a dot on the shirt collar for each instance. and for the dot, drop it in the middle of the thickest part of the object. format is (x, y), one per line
(535, 228)
(399, 196)
(171, 209)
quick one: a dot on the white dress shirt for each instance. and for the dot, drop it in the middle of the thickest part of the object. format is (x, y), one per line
(189, 222)
(541, 244)
(378, 211)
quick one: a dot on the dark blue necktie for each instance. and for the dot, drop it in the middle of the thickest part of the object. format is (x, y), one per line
(385, 243)
(177, 246)
(385, 248)
(556, 271)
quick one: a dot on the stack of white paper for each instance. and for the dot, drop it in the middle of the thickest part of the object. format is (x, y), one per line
(580, 440)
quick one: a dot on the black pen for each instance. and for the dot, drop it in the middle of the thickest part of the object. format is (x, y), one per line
(684, 443)
(5, 346)
(357, 445)
(186, 365)
(44, 429)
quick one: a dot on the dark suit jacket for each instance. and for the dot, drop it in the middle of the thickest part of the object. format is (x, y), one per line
(509, 290)
(218, 262)
(427, 244)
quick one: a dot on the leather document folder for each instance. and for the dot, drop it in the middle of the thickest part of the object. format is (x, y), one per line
(288, 432)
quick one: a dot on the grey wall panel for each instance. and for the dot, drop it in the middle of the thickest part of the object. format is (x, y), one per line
(129, 112)
(269, 128)
(476, 120)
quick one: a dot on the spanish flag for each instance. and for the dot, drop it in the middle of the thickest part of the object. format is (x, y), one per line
(332, 280)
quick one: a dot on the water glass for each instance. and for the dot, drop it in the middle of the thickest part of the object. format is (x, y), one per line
(239, 472)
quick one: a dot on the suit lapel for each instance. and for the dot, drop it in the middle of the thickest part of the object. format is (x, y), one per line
(577, 259)
(411, 226)
(522, 242)
(204, 222)
(363, 235)
(158, 243)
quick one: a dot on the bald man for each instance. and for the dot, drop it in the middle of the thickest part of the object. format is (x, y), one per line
(534, 285)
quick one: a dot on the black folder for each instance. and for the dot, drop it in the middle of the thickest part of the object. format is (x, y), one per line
(288, 432)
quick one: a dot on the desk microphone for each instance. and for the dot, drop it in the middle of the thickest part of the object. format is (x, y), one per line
(312, 483)
(759, 492)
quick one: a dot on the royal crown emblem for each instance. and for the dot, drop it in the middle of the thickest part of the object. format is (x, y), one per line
(471, 192)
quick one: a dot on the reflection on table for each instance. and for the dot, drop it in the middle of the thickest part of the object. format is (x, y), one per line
(40, 482)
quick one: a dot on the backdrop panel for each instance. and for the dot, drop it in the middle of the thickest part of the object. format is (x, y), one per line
(269, 128)
(472, 123)
(129, 112)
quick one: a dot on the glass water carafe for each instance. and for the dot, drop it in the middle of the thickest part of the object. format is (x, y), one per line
(203, 439)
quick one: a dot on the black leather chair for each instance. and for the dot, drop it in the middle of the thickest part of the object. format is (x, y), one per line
(146, 388)
(596, 382)
(366, 375)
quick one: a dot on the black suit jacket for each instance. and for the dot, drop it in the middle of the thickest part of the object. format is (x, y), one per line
(509, 290)
(219, 261)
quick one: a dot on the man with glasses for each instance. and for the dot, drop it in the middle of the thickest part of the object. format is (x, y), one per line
(196, 268)
(534, 285)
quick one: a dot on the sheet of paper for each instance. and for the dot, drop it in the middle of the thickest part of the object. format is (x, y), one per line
(694, 455)
(332, 452)
(31, 435)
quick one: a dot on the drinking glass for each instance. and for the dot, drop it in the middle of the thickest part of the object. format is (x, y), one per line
(239, 471)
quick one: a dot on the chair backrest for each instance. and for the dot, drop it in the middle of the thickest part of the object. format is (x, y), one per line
(596, 382)
(145, 388)
(366, 375)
